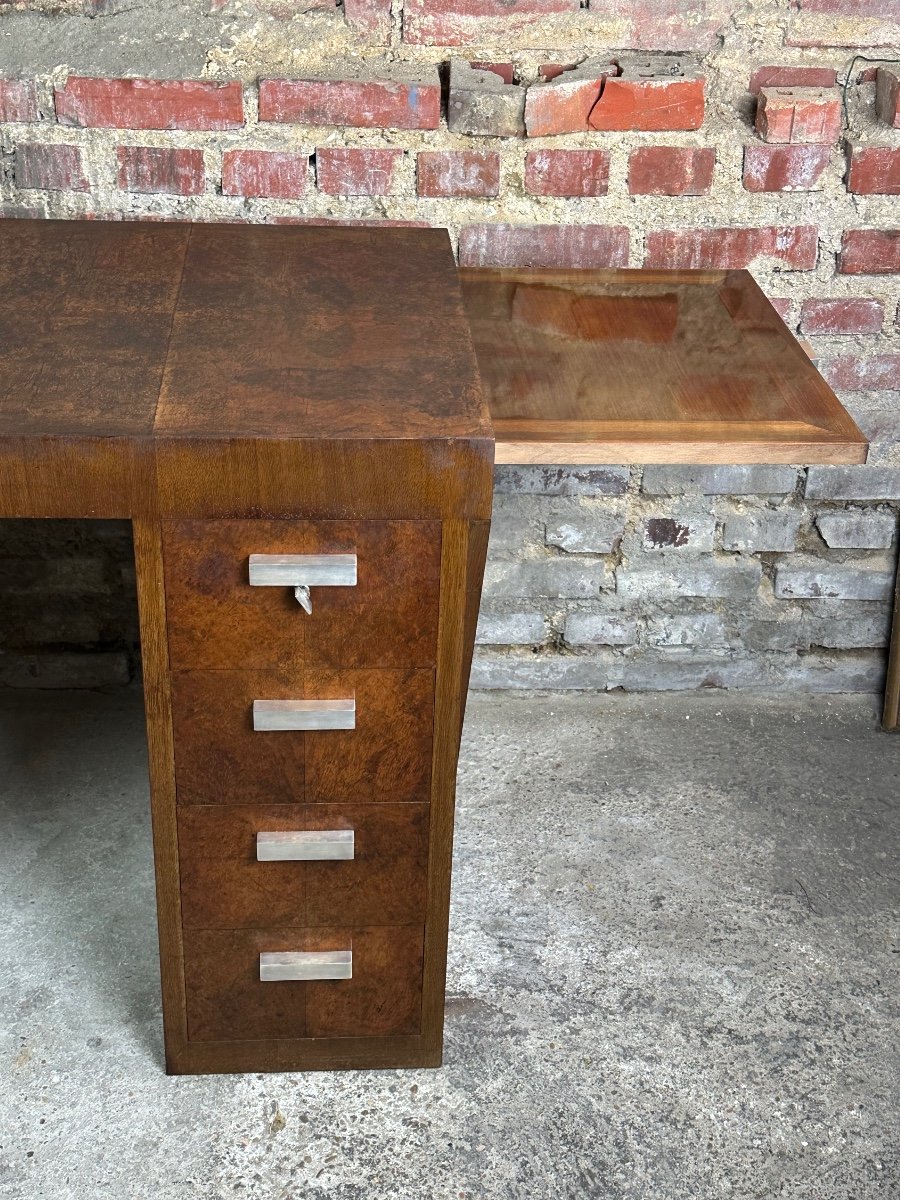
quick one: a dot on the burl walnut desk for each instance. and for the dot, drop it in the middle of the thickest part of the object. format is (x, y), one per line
(293, 422)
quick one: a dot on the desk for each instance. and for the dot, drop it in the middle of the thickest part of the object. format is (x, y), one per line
(292, 420)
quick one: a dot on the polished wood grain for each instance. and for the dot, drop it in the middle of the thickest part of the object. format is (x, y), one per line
(217, 620)
(228, 1003)
(221, 759)
(223, 886)
(637, 366)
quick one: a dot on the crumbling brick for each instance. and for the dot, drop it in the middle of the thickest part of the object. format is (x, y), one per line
(481, 104)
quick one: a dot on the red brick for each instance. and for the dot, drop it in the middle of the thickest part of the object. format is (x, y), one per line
(874, 373)
(554, 70)
(350, 172)
(368, 104)
(795, 247)
(277, 173)
(52, 168)
(646, 99)
(818, 77)
(567, 172)
(671, 171)
(887, 96)
(799, 115)
(178, 172)
(370, 17)
(870, 252)
(149, 103)
(505, 70)
(782, 306)
(487, 22)
(18, 100)
(796, 168)
(572, 246)
(854, 315)
(874, 170)
(564, 104)
(458, 173)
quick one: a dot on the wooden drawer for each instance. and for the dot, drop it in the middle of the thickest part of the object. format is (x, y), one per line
(224, 886)
(221, 759)
(227, 1002)
(218, 621)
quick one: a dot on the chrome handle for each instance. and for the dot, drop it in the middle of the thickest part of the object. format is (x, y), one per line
(305, 964)
(308, 845)
(270, 715)
(302, 572)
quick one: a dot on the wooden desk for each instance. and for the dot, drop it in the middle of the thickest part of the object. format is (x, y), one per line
(292, 420)
(309, 396)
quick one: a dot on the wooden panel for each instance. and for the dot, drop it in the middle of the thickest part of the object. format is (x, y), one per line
(224, 887)
(635, 366)
(86, 311)
(286, 332)
(226, 1000)
(221, 759)
(388, 619)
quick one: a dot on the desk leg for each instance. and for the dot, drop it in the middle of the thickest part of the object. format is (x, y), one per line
(157, 706)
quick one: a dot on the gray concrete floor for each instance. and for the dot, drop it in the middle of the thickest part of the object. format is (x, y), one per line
(673, 972)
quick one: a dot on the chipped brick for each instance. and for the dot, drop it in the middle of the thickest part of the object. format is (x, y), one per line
(563, 104)
(887, 96)
(480, 104)
(874, 170)
(799, 115)
(651, 94)
(49, 167)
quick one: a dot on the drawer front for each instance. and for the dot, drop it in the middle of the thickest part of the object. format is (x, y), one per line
(227, 1001)
(221, 759)
(225, 886)
(218, 620)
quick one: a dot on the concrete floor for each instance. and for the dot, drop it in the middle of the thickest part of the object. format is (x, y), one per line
(673, 970)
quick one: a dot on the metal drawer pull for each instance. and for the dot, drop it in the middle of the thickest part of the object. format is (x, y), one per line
(303, 571)
(308, 845)
(269, 715)
(305, 964)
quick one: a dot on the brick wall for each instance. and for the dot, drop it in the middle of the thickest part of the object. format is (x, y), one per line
(642, 132)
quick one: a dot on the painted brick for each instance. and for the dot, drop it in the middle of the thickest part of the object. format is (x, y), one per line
(865, 373)
(799, 115)
(179, 172)
(544, 245)
(792, 76)
(481, 104)
(783, 168)
(368, 104)
(350, 172)
(458, 173)
(277, 173)
(854, 315)
(586, 532)
(599, 629)
(562, 481)
(488, 22)
(567, 172)
(870, 252)
(725, 580)
(874, 170)
(553, 577)
(841, 582)
(371, 17)
(51, 168)
(762, 531)
(511, 629)
(853, 483)
(887, 96)
(759, 479)
(671, 170)
(564, 103)
(857, 530)
(695, 629)
(149, 103)
(645, 97)
(18, 100)
(793, 247)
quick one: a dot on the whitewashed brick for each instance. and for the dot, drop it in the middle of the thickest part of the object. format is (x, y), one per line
(550, 577)
(759, 530)
(562, 481)
(511, 629)
(585, 531)
(759, 479)
(857, 530)
(714, 580)
(599, 629)
(853, 483)
(839, 581)
(693, 629)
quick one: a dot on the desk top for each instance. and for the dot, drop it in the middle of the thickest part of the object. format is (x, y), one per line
(642, 366)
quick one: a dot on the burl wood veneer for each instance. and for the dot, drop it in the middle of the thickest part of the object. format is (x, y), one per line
(241, 391)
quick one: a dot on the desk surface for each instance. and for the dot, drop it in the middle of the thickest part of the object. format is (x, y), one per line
(641, 366)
